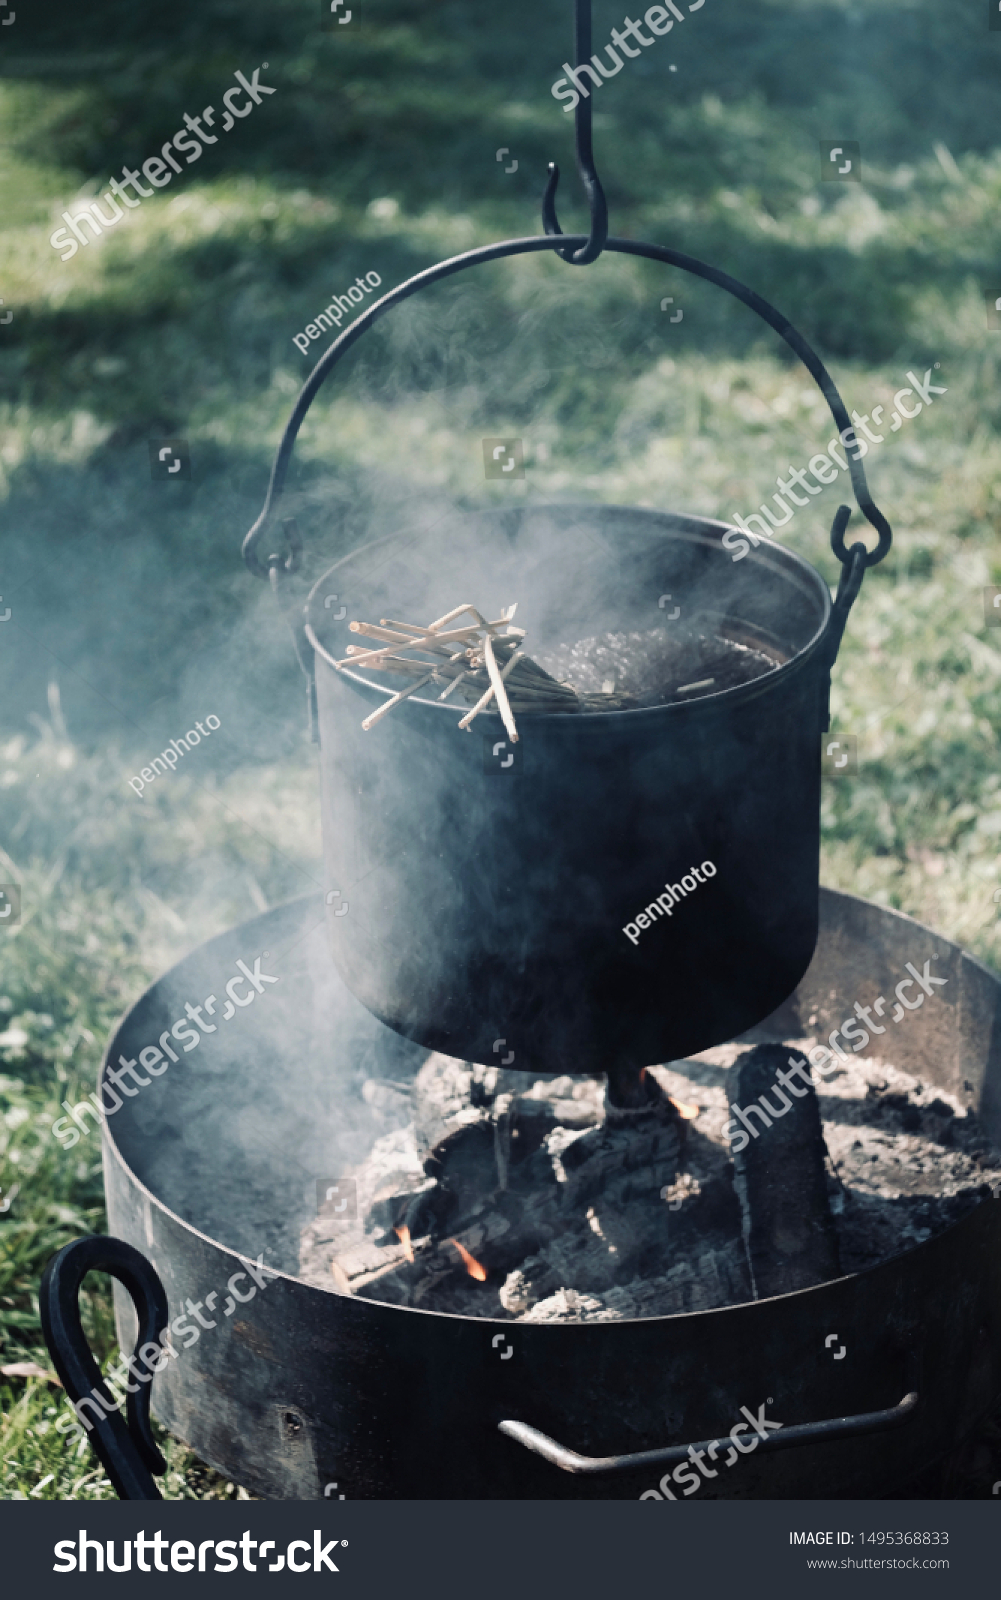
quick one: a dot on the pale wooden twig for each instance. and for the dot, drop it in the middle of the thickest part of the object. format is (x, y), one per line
(442, 651)
(454, 684)
(493, 674)
(403, 694)
(483, 651)
(417, 641)
(485, 700)
(457, 612)
(413, 669)
(388, 705)
(427, 641)
(408, 627)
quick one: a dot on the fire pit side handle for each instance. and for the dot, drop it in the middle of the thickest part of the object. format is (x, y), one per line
(129, 1454)
(781, 1439)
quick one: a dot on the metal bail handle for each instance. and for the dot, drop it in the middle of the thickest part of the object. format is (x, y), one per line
(579, 251)
(128, 1454)
(261, 536)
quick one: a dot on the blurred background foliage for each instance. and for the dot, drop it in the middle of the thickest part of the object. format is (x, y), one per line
(131, 613)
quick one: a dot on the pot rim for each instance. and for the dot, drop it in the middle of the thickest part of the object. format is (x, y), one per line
(697, 526)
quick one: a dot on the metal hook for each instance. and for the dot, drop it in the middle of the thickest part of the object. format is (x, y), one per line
(585, 158)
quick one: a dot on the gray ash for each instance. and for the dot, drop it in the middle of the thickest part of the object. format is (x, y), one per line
(653, 668)
(574, 1216)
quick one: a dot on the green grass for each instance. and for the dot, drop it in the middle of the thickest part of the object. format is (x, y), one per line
(95, 931)
(131, 614)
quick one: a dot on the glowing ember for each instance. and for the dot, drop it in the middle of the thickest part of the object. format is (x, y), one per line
(689, 1113)
(472, 1265)
(403, 1234)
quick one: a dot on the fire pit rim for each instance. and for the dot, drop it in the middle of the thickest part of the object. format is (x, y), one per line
(110, 1146)
(234, 1428)
(697, 531)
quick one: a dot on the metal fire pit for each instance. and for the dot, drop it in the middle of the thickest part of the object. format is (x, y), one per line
(296, 1392)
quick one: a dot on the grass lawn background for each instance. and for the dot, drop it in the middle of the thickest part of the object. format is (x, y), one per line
(131, 613)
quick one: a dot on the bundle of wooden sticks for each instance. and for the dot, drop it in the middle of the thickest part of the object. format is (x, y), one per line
(479, 660)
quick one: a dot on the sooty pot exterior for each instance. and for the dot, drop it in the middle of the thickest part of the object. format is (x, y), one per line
(487, 903)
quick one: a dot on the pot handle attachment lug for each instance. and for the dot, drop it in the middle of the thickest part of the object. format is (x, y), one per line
(783, 1439)
(128, 1454)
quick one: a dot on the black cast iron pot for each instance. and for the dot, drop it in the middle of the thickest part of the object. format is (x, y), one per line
(487, 904)
(480, 910)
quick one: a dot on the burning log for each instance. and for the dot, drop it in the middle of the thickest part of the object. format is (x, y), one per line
(359, 1269)
(531, 1191)
(581, 1211)
(694, 1283)
(780, 1174)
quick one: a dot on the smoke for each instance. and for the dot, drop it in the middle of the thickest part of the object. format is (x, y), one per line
(517, 885)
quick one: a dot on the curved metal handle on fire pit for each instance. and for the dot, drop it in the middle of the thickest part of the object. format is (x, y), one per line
(782, 1439)
(129, 1455)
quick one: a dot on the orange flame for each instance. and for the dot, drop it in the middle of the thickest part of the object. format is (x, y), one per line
(473, 1267)
(403, 1234)
(689, 1113)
